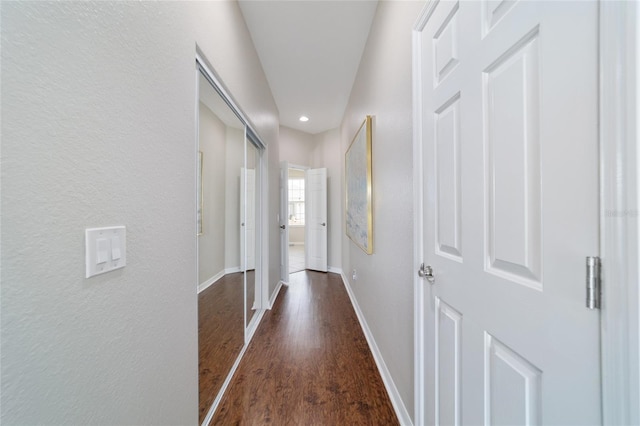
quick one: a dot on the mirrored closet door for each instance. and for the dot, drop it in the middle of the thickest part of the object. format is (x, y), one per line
(228, 205)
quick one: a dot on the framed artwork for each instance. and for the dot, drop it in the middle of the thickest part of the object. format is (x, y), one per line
(358, 188)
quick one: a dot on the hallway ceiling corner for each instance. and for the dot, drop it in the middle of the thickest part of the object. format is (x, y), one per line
(310, 52)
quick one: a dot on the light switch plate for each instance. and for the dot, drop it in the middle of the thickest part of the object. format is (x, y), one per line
(107, 246)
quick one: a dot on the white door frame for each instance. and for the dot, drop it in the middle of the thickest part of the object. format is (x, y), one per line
(619, 63)
(619, 230)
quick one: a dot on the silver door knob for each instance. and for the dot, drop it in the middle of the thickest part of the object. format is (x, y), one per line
(323, 224)
(282, 226)
(426, 271)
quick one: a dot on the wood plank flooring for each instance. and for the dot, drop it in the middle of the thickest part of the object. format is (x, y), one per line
(220, 335)
(308, 364)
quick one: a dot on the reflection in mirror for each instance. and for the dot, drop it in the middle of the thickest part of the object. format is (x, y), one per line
(220, 277)
(251, 207)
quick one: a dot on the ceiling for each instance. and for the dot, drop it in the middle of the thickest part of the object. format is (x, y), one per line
(310, 52)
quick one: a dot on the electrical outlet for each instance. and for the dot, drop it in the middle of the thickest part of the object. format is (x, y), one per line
(354, 275)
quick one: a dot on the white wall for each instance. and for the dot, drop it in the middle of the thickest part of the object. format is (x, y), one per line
(98, 128)
(211, 243)
(296, 146)
(296, 234)
(384, 289)
(327, 153)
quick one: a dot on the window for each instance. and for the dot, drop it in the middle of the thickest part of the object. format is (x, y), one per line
(296, 201)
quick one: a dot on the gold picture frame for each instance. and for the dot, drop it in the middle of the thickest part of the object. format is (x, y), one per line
(358, 188)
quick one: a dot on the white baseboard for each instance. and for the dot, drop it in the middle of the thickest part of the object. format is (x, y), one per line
(233, 270)
(335, 270)
(296, 243)
(394, 395)
(208, 283)
(274, 296)
(253, 325)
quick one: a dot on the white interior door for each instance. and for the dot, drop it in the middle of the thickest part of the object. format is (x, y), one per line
(508, 122)
(248, 219)
(316, 219)
(284, 222)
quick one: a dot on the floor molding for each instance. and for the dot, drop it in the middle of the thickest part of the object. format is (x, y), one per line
(253, 325)
(401, 411)
(274, 296)
(335, 270)
(208, 283)
(233, 270)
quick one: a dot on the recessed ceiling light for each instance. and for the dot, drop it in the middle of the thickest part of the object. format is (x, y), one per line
(304, 118)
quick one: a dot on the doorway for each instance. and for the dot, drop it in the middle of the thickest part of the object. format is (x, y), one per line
(303, 219)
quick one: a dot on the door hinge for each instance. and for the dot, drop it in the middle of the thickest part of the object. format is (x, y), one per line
(593, 282)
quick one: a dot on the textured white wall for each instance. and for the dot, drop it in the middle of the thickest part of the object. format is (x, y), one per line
(211, 243)
(384, 289)
(327, 153)
(98, 128)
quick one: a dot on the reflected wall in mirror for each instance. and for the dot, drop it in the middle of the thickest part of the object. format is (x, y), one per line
(221, 281)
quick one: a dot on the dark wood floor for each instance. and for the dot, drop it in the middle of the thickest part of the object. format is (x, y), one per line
(220, 335)
(308, 364)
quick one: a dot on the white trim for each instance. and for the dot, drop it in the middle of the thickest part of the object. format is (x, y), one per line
(253, 325)
(274, 296)
(396, 400)
(619, 228)
(233, 270)
(418, 217)
(294, 243)
(208, 283)
(205, 285)
(335, 270)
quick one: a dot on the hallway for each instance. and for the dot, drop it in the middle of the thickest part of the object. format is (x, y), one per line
(309, 363)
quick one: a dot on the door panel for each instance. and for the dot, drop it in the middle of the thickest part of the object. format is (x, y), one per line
(316, 219)
(512, 144)
(448, 361)
(447, 151)
(509, 140)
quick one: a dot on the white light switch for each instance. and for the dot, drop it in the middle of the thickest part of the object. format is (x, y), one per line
(105, 249)
(115, 248)
(102, 250)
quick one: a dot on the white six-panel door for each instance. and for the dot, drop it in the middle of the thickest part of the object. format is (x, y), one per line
(507, 107)
(316, 219)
